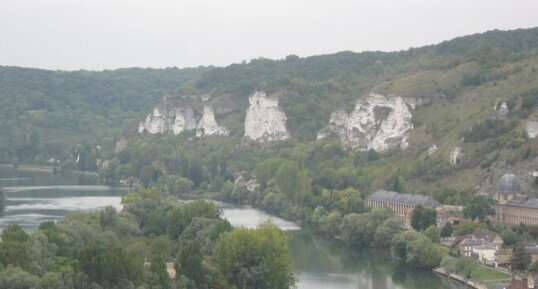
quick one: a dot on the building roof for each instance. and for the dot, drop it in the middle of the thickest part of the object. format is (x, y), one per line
(485, 247)
(521, 202)
(487, 235)
(509, 184)
(406, 199)
(472, 242)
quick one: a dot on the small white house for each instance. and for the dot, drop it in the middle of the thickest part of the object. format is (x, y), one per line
(485, 253)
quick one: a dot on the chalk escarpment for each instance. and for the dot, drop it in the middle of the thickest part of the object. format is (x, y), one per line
(378, 122)
(208, 126)
(168, 119)
(265, 120)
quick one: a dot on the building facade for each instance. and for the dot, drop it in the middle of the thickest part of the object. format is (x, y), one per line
(512, 206)
(402, 204)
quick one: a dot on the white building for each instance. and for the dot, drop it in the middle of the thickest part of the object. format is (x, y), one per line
(485, 253)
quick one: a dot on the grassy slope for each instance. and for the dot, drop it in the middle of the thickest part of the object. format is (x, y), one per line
(442, 122)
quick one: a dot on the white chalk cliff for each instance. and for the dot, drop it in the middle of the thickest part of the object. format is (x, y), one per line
(265, 121)
(207, 126)
(378, 122)
(532, 128)
(164, 120)
(456, 154)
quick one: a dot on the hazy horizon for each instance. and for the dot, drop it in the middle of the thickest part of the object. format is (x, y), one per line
(102, 35)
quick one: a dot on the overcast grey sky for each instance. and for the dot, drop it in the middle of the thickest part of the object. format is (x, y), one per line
(108, 34)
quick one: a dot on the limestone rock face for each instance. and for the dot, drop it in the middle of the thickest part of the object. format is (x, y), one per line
(265, 121)
(503, 110)
(432, 149)
(532, 128)
(378, 122)
(456, 154)
(164, 120)
(207, 126)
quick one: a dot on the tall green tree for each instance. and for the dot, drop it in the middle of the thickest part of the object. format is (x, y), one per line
(479, 208)
(423, 218)
(189, 263)
(521, 260)
(256, 258)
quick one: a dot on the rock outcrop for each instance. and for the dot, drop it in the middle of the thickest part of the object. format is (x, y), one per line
(432, 149)
(164, 120)
(176, 119)
(378, 122)
(532, 128)
(456, 154)
(207, 126)
(265, 121)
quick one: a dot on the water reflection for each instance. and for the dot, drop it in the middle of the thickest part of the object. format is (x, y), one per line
(33, 198)
(322, 262)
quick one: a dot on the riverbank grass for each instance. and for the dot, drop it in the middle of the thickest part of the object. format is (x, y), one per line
(489, 276)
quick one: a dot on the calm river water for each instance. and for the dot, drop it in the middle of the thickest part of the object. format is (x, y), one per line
(319, 262)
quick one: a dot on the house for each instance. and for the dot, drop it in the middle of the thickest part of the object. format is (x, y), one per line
(483, 245)
(488, 236)
(503, 256)
(485, 253)
(532, 250)
(402, 204)
(465, 247)
(448, 214)
(526, 282)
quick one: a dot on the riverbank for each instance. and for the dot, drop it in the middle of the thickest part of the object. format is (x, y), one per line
(476, 285)
(29, 168)
(46, 170)
(482, 277)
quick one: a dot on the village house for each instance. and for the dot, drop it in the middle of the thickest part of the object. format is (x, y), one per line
(529, 281)
(503, 256)
(465, 247)
(488, 236)
(485, 253)
(532, 250)
(448, 214)
(483, 245)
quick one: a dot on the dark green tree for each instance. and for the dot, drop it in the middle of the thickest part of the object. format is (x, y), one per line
(158, 269)
(446, 231)
(189, 263)
(423, 218)
(256, 258)
(521, 260)
(479, 208)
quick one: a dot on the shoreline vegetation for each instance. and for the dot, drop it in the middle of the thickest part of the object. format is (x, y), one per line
(482, 277)
(46, 169)
(155, 242)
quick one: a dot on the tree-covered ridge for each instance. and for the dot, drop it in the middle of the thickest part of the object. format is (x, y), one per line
(311, 88)
(135, 247)
(44, 114)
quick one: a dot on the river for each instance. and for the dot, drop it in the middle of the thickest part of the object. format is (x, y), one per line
(319, 262)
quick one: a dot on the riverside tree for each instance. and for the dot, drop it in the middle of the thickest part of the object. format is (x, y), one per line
(256, 258)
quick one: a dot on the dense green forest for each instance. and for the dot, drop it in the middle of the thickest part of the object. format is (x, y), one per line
(54, 114)
(131, 249)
